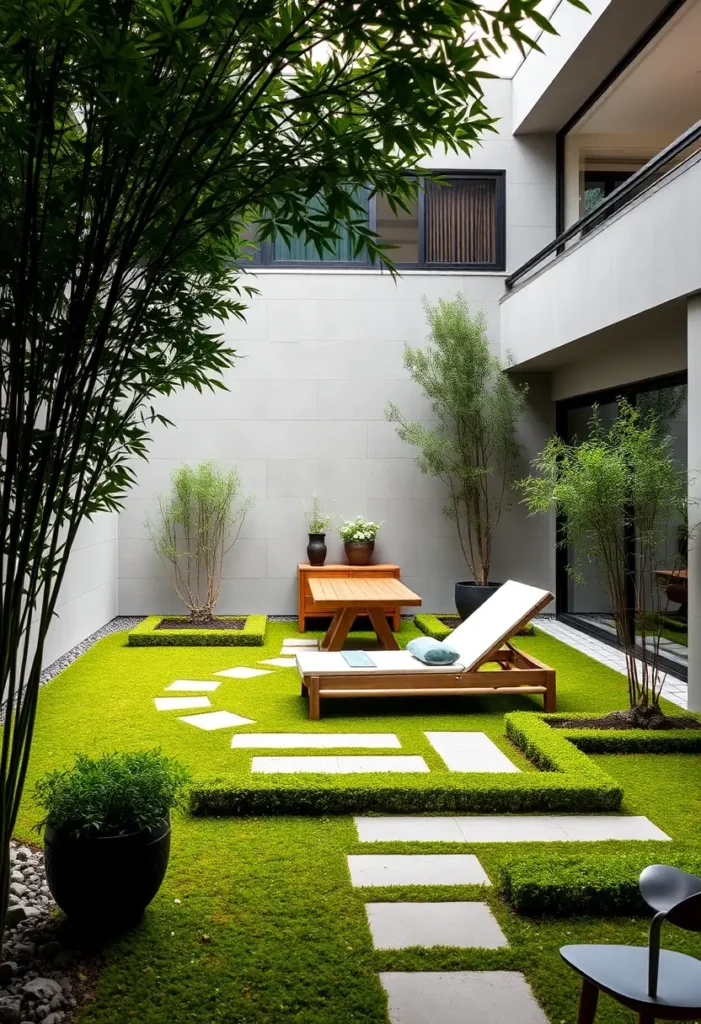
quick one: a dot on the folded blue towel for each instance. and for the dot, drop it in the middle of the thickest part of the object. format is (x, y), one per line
(432, 652)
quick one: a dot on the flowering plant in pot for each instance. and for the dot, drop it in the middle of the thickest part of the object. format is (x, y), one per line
(358, 536)
(472, 446)
(317, 524)
(107, 833)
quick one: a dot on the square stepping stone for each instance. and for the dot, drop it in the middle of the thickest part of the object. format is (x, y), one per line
(192, 686)
(279, 662)
(337, 765)
(508, 828)
(314, 741)
(470, 752)
(463, 925)
(243, 673)
(457, 997)
(416, 869)
(180, 703)
(292, 642)
(216, 720)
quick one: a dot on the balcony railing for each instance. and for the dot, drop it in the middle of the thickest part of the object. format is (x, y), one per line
(665, 162)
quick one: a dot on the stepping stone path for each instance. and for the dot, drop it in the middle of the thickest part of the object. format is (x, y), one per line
(243, 673)
(216, 720)
(494, 828)
(416, 869)
(461, 925)
(191, 685)
(314, 741)
(459, 997)
(338, 765)
(180, 703)
(279, 662)
(470, 752)
(300, 643)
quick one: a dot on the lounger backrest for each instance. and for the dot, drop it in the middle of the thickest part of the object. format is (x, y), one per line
(498, 619)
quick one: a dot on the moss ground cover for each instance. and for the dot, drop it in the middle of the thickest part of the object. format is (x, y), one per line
(286, 936)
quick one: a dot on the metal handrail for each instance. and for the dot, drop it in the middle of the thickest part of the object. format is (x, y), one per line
(612, 202)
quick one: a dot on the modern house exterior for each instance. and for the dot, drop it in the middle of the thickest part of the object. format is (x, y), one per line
(574, 227)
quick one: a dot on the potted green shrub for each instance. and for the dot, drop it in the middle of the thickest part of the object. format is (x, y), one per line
(107, 833)
(358, 536)
(472, 448)
(317, 524)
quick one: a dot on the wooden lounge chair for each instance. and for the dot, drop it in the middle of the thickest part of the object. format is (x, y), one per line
(483, 638)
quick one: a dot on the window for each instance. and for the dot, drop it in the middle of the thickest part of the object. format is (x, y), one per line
(457, 223)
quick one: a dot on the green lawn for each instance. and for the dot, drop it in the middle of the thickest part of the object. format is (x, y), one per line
(287, 941)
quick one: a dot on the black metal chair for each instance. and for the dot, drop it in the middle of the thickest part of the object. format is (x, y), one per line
(656, 983)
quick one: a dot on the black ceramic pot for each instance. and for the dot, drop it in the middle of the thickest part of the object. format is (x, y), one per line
(359, 552)
(316, 548)
(469, 596)
(106, 881)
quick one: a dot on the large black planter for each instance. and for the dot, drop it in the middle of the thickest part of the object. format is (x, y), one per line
(469, 596)
(316, 548)
(106, 882)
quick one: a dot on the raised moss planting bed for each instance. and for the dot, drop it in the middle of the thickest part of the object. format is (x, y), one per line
(570, 885)
(440, 626)
(150, 633)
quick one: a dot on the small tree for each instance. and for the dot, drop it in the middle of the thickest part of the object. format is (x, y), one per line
(197, 521)
(619, 480)
(473, 447)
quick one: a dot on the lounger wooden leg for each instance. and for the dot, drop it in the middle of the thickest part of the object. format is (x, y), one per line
(303, 689)
(587, 1003)
(550, 695)
(314, 702)
(378, 618)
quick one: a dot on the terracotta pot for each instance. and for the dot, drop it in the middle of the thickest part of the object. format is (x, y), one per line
(316, 548)
(469, 596)
(359, 552)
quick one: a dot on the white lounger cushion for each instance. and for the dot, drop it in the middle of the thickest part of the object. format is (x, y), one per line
(496, 620)
(319, 663)
(486, 628)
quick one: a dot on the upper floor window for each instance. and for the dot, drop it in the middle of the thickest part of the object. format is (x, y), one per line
(457, 223)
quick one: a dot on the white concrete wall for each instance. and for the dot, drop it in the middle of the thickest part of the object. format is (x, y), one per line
(88, 596)
(322, 355)
(647, 255)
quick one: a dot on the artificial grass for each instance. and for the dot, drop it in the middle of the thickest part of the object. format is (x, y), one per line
(148, 634)
(286, 934)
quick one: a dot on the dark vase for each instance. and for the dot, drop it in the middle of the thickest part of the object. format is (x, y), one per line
(316, 549)
(469, 596)
(106, 882)
(359, 552)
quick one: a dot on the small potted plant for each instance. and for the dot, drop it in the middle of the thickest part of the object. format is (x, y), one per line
(358, 536)
(107, 833)
(317, 524)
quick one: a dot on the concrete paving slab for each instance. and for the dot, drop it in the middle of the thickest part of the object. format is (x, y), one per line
(460, 925)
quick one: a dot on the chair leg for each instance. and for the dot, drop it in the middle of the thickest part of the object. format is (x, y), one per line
(587, 1003)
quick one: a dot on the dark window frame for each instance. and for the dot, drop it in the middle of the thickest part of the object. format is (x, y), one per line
(265, 257)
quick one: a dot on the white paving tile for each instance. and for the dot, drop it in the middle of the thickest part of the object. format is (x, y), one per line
(495, 828)
(292, 642)
(243, 673)
(457, 997)
(463, 925)
(470, 752)
(216, 720)
(315, 740)
(180, 703)
(338, 765)
(278, 662)
(416, 869)
(192, 686)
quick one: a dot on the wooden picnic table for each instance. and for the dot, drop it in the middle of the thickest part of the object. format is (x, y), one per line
(359, 595)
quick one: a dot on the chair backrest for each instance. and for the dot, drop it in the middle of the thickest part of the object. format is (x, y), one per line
(510, 608)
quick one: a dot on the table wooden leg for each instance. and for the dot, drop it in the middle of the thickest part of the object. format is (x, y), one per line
(587, 1003)
(332, 630)
(378, 618)
(346, 618)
